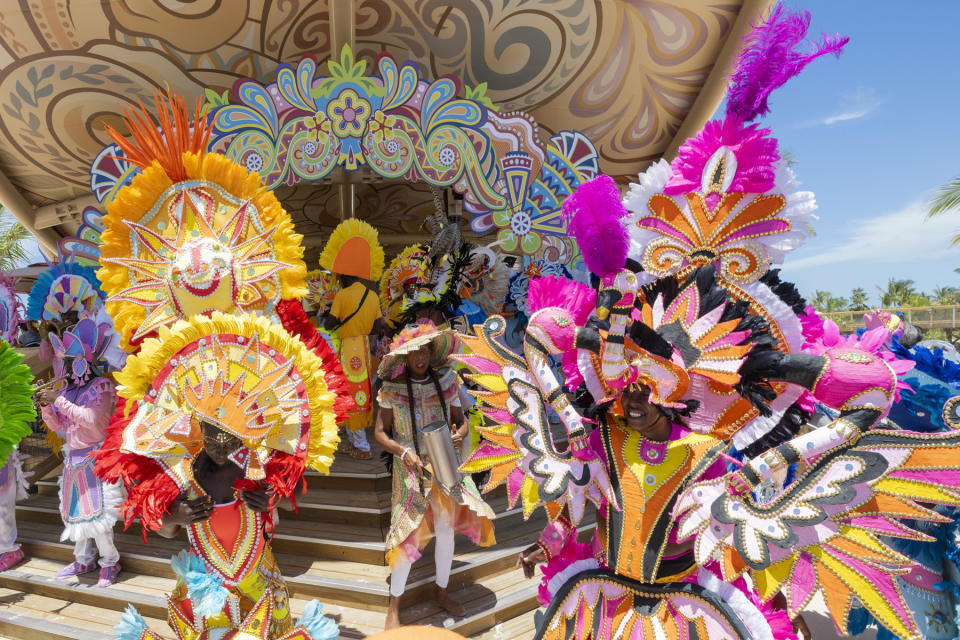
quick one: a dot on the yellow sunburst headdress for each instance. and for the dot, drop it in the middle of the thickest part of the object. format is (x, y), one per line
(194, 232)
(321, 288)
(409, 266)
(241, 373)
(353, 250)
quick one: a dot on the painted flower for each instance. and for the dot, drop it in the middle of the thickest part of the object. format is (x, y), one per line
(517, 231)
(382, 126)
(349, 114)
(318, 125)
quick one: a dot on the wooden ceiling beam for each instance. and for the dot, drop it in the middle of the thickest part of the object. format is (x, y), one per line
(59, 213)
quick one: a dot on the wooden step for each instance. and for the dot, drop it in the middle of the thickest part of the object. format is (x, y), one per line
(54, 607)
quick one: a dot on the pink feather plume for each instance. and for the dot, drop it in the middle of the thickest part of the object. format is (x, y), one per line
(593, 214)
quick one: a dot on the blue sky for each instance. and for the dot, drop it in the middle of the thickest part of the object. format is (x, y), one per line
(873, 134)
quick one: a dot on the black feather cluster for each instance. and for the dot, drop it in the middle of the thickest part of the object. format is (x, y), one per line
(786, 291)
(793, 418)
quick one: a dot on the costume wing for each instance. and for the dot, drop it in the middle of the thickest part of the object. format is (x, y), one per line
(822, 533)
(519, 449)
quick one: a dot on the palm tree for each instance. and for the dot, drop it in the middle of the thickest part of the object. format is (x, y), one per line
(821, 300)
(947, 198)
(12, 235)
(946, 295)
(837, 304)
(898, 293)
(859, 300)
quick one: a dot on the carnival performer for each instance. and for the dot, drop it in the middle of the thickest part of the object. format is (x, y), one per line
(419, 388)
(16, 413)
(354, 254)
(67, 303)
(230, 393)
(79, 415)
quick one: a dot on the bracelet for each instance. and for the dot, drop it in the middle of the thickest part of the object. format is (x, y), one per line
(403, 455)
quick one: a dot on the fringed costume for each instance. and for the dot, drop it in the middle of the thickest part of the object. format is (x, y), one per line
(706, 341)
(67, 303)
(353, 252)
(204, 271)
(422, 509)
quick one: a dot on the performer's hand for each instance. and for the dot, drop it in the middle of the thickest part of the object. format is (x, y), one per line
(456, 435)
(47, 396)
(412, 462)
(528, 561)
(184, 512)
(259, 500)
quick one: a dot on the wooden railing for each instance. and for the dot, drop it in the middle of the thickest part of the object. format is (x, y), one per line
(933, 317)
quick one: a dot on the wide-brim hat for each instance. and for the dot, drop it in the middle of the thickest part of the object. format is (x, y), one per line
(443, 343)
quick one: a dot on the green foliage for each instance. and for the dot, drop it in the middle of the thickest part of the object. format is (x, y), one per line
(859, 300)
(899, 293)
(826, 302)
(347, 70)
(946, 199)
(12, 236)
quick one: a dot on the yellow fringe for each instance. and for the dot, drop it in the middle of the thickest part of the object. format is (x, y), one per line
(350, 229)
(136, 199)
(142, 368)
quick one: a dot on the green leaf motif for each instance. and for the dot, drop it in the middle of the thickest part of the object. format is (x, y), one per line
(479, 94)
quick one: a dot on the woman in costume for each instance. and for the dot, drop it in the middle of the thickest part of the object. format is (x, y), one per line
(419, 388)
(355, 255)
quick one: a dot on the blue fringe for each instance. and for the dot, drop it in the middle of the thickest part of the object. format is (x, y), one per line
(131, 625)
(318, 625)
(205, 590)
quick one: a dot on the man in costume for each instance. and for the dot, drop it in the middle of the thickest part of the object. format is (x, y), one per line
(727, 355)
(229, 393)
(67, 302)
(419, 389)
(354, 254)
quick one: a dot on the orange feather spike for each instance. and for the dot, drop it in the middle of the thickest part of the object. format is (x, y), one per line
(167, 142)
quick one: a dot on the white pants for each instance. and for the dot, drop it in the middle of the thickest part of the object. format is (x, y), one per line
(358, 439)
(8, 510)
(442, 557)
(85, 550)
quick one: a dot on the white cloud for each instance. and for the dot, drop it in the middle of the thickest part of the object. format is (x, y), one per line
(906, 235)
(855, 104)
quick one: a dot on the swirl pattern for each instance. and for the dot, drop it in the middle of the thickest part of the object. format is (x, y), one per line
(623, 73)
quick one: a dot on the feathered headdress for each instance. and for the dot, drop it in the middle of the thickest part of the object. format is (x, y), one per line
(194, 232)
(243, 374)
(63, 287)
(354, 250)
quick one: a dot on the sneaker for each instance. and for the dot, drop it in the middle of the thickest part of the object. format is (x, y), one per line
(75, 569)
(10, 558)
(108, 575)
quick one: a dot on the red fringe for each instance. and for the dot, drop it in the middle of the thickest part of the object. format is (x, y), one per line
(295, 320)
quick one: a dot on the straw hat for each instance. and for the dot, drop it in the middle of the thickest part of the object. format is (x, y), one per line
(410, 339)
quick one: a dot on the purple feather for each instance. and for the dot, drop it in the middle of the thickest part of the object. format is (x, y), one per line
(593, 214)
(769, 58)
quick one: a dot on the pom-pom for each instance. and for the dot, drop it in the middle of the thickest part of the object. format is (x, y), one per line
(131, 626)
(207, 594)
(593, 214)
(319, 626)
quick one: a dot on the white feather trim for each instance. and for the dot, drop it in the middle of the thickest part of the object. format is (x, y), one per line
(751, 617)
(113, 496)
